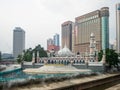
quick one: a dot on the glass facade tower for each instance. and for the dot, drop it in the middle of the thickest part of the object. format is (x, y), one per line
(56, 39)
(105, 27)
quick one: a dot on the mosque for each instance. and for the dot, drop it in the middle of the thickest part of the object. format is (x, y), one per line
(65, 56)
(66, 60)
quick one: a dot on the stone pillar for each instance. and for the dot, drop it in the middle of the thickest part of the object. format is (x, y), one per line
(71, 62)
(86, 61)
(45, 61)
(38, 58)
(33, 58)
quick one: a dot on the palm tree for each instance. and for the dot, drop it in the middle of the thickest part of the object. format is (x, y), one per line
(111, 58)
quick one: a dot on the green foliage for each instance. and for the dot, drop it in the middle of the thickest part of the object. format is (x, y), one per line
(100, 54)
(111, 57)
(19, 59)
(28, 53)
(42, 52)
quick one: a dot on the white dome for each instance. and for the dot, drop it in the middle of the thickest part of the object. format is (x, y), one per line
(65, 52)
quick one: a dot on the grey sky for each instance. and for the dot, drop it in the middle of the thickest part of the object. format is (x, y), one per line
(41, 19)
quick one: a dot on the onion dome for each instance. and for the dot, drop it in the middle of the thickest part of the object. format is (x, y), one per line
(65, 52)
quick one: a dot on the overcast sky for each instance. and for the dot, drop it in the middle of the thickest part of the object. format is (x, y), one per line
(41, 19)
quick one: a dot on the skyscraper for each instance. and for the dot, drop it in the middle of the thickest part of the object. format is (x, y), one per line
(49, 42)
(96, 22)
(56, 39)
(118, 27)
(18, 41)
(66, 38)
(105, 27)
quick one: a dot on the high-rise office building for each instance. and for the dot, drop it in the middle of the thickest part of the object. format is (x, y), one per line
(105, 27)
(50, 42)
(118, 27)
(66, 39)
(18, 41)
(96, 22)
(53, 44)
(56, 39)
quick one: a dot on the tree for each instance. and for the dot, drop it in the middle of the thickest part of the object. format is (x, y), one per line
(111, 58)
(42, 52)
(100, 54)
(28, 53)
(19, 59)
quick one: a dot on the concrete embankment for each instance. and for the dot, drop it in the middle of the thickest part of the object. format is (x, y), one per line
(74, 84)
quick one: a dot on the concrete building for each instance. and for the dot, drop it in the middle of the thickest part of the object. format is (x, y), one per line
(114, 44)
(118, 27)
(66, 39)
(53, 48)
(6, 56)
(53, 44)
(49, 42)
(96, 22)
(18, 41)
(56, 39)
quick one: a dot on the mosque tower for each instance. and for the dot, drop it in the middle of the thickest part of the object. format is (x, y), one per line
(38, 58)
(92, 45)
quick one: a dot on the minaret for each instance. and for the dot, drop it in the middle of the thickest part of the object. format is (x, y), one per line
(92, 45)
(38, 58)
